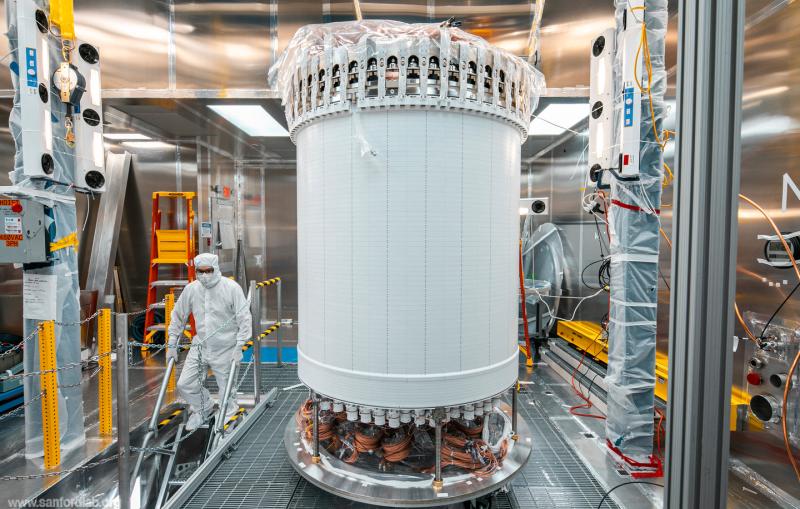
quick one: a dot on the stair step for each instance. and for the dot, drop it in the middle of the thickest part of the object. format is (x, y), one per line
(170, 282)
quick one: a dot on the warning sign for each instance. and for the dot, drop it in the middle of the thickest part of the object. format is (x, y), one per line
(13, 225)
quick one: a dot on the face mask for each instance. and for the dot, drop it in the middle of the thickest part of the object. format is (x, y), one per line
(205, 279)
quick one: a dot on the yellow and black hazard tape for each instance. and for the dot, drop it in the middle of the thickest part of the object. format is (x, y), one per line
(268, 282)
(166, 421)
(269, 331)
(233, 419)
(247, 346)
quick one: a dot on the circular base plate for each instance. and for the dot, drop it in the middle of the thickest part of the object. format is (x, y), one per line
(401, 490)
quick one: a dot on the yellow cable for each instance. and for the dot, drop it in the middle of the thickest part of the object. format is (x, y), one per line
(644, 45)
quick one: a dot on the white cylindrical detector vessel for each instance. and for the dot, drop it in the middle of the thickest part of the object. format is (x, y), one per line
(408, 162)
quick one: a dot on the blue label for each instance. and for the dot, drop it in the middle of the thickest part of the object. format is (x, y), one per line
(30, 70)
(628, 109)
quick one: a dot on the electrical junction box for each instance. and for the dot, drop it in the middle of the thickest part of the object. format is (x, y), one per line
(629, 45)
(23, 234)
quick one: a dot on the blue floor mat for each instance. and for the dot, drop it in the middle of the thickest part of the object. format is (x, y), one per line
(9, 404)
(16, 391)
(270, 354)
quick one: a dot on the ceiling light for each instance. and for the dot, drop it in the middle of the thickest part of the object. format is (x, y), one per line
(125, 136)
(147, 144)
(556, 118)
(250, 118)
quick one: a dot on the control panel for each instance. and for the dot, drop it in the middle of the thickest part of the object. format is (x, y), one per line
(23, 232)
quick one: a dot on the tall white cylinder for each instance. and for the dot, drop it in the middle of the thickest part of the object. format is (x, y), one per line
(408, 239)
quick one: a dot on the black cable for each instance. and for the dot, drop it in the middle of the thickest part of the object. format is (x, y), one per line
(761, 336)
(664, 279)
(625, 484)
(583, 280)
(599, 236)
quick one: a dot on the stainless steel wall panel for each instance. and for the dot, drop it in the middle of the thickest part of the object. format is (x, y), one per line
(770, 141)
(222, 45)
(133, 39)
(281, 229)
(153, 168)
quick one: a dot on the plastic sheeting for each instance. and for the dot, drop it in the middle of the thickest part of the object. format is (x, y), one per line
(357, 37)
(64, 266)
(634, 262)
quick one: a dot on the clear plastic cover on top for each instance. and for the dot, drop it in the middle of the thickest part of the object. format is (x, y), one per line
(383, 63)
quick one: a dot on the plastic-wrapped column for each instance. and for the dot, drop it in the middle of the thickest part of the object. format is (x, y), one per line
(634, 264)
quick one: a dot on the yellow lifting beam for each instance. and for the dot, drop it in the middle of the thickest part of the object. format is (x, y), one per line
(104, 394)
(49, 384)
(587, 337)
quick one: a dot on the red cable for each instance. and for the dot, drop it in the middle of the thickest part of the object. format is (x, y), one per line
(524, 306)
(587, 403)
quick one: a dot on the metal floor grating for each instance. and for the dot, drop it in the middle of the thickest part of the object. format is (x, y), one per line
(271, 376)
(554, 477)
(258, 474)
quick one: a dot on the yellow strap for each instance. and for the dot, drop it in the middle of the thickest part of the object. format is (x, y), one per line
(62, 15)
(70, 240)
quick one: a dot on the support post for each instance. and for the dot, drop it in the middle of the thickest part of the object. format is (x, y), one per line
(278, 321)
(169, 305)
(104, 392)
(152, 426)
(708, 151)
(514, 410)
(123, 419)
(255, 314)
(223, 406)
(438, 482)
(315, 425)
(49, 384)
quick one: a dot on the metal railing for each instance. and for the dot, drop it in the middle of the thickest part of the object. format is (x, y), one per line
(49, 369)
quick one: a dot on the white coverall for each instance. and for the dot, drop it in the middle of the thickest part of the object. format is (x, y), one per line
(220, 311)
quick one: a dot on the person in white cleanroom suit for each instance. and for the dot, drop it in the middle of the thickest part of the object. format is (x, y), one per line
(222, 319)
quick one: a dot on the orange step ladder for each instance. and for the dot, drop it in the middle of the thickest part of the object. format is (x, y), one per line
(170, 248)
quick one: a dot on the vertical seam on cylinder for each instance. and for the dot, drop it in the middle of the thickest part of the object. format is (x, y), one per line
(324, 249)
(461, 256)
(386, 158)
(425, 251)
(491, 267)
(352, 263)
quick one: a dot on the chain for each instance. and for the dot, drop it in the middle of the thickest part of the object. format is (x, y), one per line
(18, 410)
(132, 314)
(60, 472)
(81, 322)
(95, 372)
(70, 365)
(20, 344)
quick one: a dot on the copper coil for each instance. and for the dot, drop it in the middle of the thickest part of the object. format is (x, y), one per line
(397, 451)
